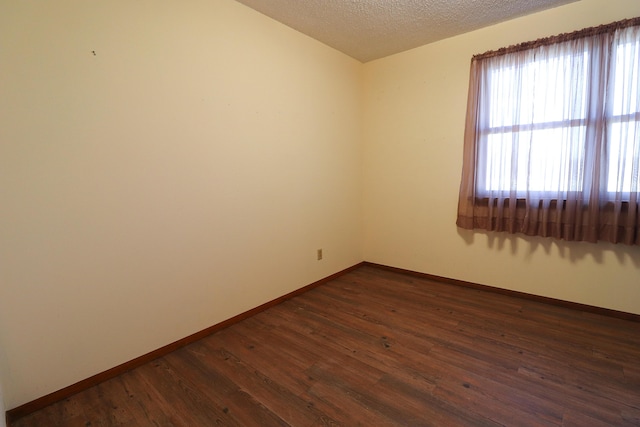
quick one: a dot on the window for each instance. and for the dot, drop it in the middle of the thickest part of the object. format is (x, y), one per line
(552, 140)
(536, 115)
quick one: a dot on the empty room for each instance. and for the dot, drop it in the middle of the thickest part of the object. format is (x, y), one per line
(304, 213)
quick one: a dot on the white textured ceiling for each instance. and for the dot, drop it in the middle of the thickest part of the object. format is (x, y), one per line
(372, 29)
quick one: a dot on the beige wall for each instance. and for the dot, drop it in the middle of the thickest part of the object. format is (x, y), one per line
(414, 123)
(185, 173)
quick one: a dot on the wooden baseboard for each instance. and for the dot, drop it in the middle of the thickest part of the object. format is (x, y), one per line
(34, 405)
(29, 407)
(532, 297)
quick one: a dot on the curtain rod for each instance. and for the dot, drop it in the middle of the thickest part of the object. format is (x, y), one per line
(545, 41)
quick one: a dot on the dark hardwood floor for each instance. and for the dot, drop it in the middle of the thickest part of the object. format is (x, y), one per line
(378, 348)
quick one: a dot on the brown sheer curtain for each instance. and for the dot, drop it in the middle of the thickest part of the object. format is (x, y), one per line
(552, 138)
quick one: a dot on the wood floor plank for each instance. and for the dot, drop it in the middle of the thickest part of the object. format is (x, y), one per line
(148, 406)
(379, 348)
(186, 402)
(222, 391)
(276, 397)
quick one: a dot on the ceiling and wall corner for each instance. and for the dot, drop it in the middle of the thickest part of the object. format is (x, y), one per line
(414, 120)
(372, 29)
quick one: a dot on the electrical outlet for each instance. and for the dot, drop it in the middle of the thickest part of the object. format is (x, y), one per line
(319, 253)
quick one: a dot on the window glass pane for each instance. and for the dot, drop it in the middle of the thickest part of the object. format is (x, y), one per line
(625, 83)
(543, 160)
(624, 157)
(547, 90)
(504, 98)
(552, 161)
(498, 162)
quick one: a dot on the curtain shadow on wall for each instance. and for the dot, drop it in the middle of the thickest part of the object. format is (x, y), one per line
(520, 244)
